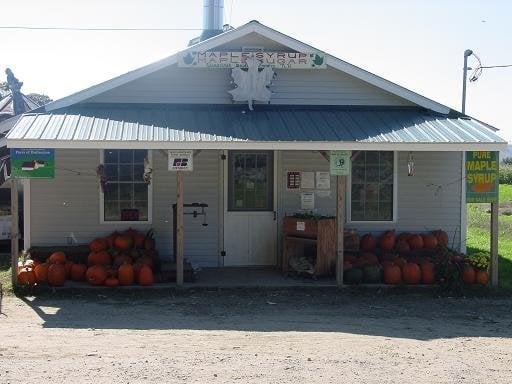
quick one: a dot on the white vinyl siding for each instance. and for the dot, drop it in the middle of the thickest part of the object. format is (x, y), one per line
(210, 86)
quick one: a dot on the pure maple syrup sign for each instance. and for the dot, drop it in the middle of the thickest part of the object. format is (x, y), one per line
(482, 177)
(284, 60)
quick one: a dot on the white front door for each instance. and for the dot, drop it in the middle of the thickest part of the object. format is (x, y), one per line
(250, 226)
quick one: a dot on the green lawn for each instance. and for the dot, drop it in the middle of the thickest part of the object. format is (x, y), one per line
(479, 232)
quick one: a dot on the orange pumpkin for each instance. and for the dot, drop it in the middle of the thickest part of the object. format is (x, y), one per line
(468, 274)
(482, 277)
(403, 247)
(98, 245)
(428, 275)
(429, 241)
(56, 275)
(121, 259)
(99, 258)
(387, 241)
(26, 277)
(392, 274)
(404, 236)
(96, 275)
(126, 274)
(41, 272)
(111, 282)
(123, 242)
(145, 276)
(366, 258)
(442, 237)
(110, 239)
(368, 243)
(78, 272)
(411, 273)
(415, 242)
(57, 258)
(68, 266)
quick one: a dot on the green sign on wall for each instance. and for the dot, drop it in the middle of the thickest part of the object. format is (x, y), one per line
(340, 163)
(33, 163)
(482, 177)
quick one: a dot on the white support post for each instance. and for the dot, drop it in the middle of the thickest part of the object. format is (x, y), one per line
(14, 231)
(494, 243)
(340, 222)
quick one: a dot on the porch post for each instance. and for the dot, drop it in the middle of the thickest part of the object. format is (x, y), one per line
(494, 243)
(340, 221)
(179, 228)
(14, 231)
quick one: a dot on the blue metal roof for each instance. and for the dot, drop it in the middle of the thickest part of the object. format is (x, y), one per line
(219, 123)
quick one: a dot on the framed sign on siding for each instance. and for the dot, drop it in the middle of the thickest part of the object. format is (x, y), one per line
(27, 163)
(482, 177)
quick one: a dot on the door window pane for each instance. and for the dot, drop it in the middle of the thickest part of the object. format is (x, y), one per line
(250, 179)
(372, 186)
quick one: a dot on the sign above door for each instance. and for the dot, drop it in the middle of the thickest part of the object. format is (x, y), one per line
(238, 59)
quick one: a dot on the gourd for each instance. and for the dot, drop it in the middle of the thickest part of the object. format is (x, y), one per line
(415, 242)
(98, 245)
(429, 241)
(96, 275)
(123, 242)
(468, 274)
(482, 277)
(442, 237)
(41, 272)
(387, 241)
(26, 276)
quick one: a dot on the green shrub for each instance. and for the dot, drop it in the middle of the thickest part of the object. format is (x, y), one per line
(505, 175)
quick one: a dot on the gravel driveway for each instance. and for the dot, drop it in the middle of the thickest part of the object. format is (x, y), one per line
(255, 337)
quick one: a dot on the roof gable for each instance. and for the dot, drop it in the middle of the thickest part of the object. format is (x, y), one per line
(225, 40)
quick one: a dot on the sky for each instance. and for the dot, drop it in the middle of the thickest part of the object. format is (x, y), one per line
(417, 44)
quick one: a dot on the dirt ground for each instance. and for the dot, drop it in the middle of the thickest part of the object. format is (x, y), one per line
(255, 337)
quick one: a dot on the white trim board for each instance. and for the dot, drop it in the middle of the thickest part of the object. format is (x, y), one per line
(257, 145)
(226, 37)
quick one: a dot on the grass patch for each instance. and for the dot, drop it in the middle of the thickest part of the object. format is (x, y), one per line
(479, 236)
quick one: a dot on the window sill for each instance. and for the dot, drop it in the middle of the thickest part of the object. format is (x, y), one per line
(126, 222)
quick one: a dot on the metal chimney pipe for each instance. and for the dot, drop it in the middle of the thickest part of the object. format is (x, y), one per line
(213, 15)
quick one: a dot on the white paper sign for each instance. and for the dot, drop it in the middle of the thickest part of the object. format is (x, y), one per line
(181, 160)
(301, 226)
(307, 201)
(307, 180)
(323, 180)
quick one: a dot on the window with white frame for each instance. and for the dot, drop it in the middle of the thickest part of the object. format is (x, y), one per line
(372, 186)
(126, 197)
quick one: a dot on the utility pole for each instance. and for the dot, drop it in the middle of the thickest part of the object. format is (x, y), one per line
(467, 53)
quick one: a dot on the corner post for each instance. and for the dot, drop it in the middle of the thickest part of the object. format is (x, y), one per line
(494, 243)
(179, 228)
(14, 231)
(341, 182)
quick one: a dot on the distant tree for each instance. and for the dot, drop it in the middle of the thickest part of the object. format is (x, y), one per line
(39, 99)
(507, 160)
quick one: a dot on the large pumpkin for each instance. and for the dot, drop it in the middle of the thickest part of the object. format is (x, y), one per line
(123, 242)
(428, 275)
(41, 272)
(411, 273)
(98, 245)
(111, 282)
(145, 276)
(99, 258)
(482, 277)
(442, 237)
(368, 243)
(392, 274)
(56, 275)
(57, 258)
(126, 274)
(26, 276)
(96, 275)
(402, 247)
(387, 241)
(415, 241)
(429, 241)
(468, 274)
(78, 272)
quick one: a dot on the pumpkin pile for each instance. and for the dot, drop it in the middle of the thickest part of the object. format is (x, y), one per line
(407, 258)
(124, 258)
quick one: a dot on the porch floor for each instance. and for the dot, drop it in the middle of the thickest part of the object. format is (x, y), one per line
(253, 277)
